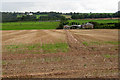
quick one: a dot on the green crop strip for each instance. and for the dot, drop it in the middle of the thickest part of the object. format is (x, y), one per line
(37, 48)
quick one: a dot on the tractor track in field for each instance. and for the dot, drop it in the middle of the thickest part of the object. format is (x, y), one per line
(75, 42)
(71, 41)
(78, 42)
(82, 39)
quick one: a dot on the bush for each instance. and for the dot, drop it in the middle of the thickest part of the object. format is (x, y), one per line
(60, 26)
(105, 25)
(62, 23)
(117, 25)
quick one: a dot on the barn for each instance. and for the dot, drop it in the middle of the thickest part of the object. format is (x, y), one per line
(84, 26)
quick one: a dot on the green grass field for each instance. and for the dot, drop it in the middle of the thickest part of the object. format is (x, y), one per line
(29, 25)
(37, 16)
(67, 16)
(99, 21)
(45, 25)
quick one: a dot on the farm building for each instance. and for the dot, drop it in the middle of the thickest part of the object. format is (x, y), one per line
(84, 26)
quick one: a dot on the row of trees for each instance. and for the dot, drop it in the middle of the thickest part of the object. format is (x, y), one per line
(10, 17)
(51, 16)
(13, 17)
(96, 25)
(94, 15)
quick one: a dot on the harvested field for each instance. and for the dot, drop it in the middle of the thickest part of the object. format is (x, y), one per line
(60, 53)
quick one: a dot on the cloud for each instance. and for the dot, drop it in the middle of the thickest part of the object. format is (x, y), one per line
(16, 6)
(119, 6)
(61, 5)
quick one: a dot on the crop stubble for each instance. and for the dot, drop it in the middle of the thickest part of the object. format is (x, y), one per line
(82, 60)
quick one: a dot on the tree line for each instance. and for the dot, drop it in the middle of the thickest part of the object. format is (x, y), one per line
(95, 15)
(96, 25)
(13, 16)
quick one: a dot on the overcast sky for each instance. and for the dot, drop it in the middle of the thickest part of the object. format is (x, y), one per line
(82, 6)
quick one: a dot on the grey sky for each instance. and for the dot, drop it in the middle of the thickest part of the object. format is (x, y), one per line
(100, 6)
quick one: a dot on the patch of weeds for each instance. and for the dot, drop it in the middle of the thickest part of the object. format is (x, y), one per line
(33, 46)
(47, 59)
(97, 43)
(4, 62)
(112, 42)
(85, 43)
(57, 59)
(4, 73)
(85, 65)
(12, 46)
(53, 48)
(109, 56)
(37, 48)
(94, 49)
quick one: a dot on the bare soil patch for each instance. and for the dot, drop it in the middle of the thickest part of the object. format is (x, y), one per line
(92, 53)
